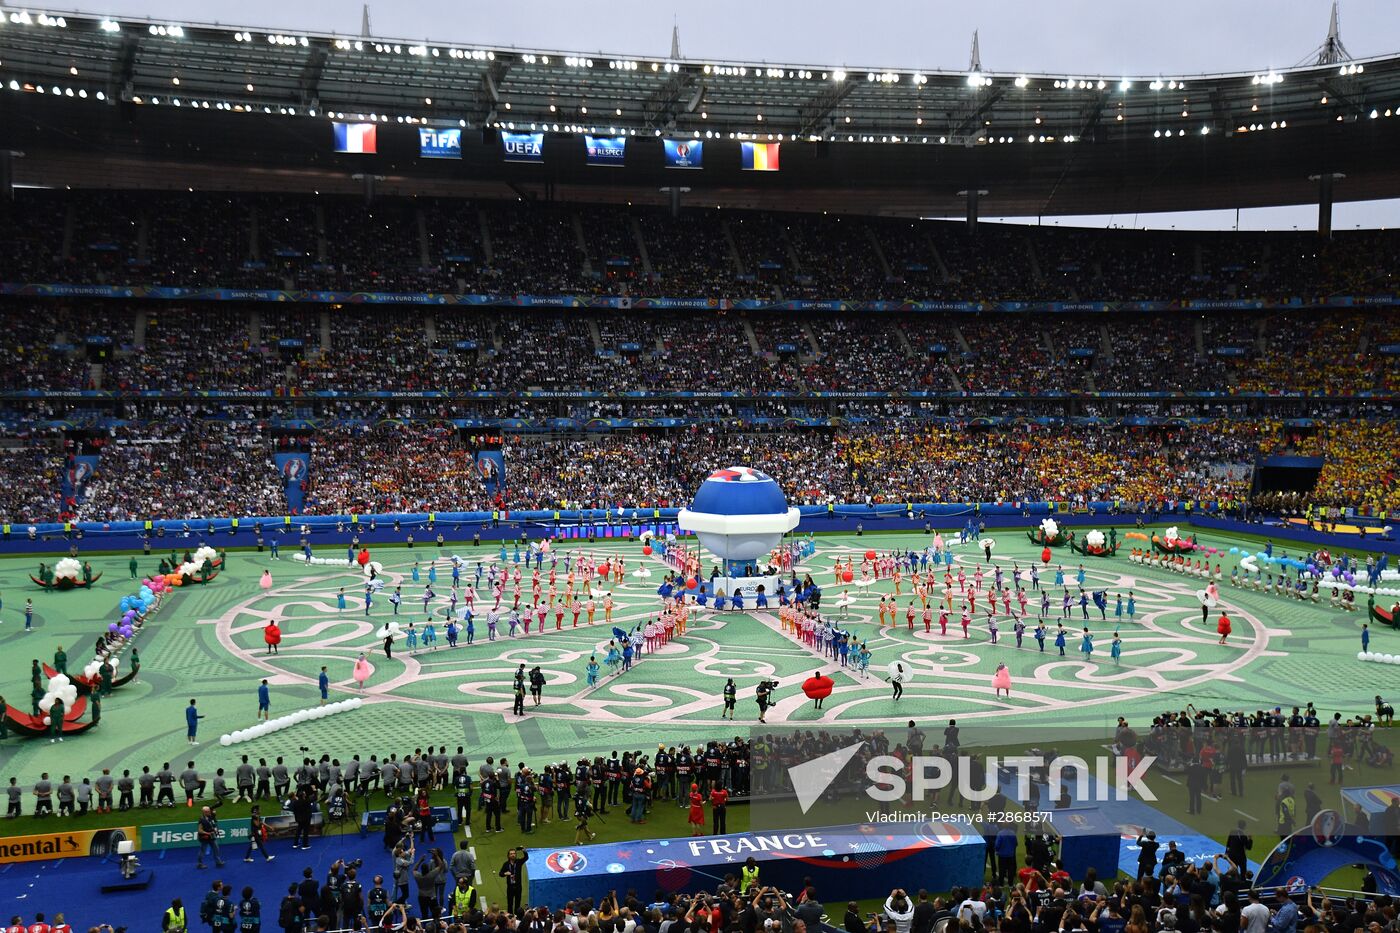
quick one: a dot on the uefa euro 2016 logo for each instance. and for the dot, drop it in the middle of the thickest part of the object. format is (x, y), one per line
(566, 862)
(293, 469)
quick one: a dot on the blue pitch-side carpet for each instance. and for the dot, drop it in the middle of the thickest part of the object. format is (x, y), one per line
(72, 887)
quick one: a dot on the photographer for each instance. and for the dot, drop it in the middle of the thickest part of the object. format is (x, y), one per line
(764, 696)
(208, 834)
(302, 807)
(429, 874)
(513, 871)
(899, 909)
(403, 869)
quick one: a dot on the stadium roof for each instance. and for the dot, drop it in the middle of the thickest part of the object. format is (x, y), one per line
(881, 140)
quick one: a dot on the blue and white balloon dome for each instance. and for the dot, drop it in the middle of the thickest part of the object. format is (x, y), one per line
(739, 514)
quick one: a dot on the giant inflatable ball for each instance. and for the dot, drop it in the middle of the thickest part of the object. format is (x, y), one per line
(739, 514)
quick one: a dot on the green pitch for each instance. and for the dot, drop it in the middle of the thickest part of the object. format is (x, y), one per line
(206, 643)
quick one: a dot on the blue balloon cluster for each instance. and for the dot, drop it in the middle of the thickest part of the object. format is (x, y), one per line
(1304, 566)
(131, 608)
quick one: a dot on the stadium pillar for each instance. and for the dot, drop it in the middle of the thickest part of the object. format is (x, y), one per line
(973, 195)
(673, 195)
(1324, 201)
(7, 176)
(368, 183)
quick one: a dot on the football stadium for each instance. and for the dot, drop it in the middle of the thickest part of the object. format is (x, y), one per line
(483, 489)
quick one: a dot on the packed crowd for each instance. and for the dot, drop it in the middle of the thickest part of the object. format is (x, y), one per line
(521, 246)
(292, 350)
(186, 466)
(1074, 465)
(402, 468)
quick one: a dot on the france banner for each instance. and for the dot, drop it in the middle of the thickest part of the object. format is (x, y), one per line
(605, 150)
(522, 147)
(859, 861)
(358, 138)
(491, 466)
(443, 143)
(684, 153)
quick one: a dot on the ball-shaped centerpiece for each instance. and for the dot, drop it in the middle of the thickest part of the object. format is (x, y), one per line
(739, 514)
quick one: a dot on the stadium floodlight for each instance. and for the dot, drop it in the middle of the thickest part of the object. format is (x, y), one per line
(1205, 131)
(1374, 114)
(1125, 85)
(838, 76)
(108, 25)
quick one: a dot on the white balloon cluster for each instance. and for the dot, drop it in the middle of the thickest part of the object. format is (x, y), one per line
(1050, 527)
(205, 553)
(69, 568)
(1171, 534)
(1356, 588)
(60, 688)
(1377, 657)
(291, 719)
(1094, 539)
(324, 561)
(95, 665)
(1250, 564)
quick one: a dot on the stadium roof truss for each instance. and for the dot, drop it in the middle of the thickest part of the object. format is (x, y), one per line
(139, 60)
(1129, 120)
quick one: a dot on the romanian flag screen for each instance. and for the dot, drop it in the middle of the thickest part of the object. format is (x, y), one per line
(759, 157)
